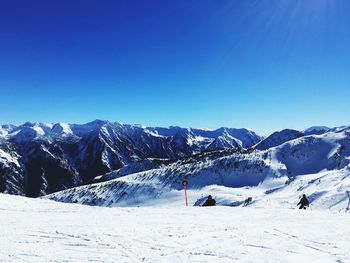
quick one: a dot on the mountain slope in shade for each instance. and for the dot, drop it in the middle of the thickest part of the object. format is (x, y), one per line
(278, 138)
(11, 172)
(316, 130)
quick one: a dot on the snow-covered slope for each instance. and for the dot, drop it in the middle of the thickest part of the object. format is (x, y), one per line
(264, 171)
(219, 168)
(314, 153)
(34, 230)
(326, 190)
(135, 167)
(11, 173)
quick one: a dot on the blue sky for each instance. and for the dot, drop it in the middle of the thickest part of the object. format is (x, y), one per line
(265, 65)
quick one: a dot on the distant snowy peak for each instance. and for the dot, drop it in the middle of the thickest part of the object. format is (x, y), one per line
(244, 137)
(82, 129)
(316, 130)
(225, 137)
(341, 129)
(62, 129)
(26, 134)
(3, 132)
(171, 131)
(7, 129)
(225, 141)
(278, 138)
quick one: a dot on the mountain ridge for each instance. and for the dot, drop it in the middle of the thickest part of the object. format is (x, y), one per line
(54, 157)
(37, 159)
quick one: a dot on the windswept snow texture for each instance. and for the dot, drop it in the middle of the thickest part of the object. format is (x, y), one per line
(53, 157)
(34, 230)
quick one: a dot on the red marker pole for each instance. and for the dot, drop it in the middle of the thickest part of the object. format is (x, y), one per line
(185, 196)
(184, 183)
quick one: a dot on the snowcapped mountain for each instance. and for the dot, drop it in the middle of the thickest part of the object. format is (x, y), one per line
(11, 173)
(132, 164)
(61, 129)
(278, 138)
(53, 157)
(314, 153)
(294, 167)
(316, 130)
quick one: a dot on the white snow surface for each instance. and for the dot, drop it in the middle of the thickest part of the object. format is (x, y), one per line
(3, 132)
(6, 158)
(36, 230)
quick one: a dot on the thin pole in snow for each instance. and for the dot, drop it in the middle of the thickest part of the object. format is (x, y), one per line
(185, 183)
(185, 196)
(348, 193)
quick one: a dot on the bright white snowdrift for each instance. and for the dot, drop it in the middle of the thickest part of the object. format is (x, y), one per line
(34, 230)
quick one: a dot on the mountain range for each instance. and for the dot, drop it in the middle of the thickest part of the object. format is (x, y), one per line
(112, 164)
(37, 158)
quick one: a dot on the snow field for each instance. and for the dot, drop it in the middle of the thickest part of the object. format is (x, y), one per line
(35, 230)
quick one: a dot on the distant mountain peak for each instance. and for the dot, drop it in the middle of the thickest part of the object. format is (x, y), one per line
(278, 138)
(317, 130)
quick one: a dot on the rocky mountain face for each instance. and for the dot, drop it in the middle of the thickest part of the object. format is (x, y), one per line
(37, 159)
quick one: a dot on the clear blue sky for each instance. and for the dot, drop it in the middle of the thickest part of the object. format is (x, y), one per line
(265, 65)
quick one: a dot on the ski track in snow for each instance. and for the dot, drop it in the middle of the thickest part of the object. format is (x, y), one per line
(34, 230)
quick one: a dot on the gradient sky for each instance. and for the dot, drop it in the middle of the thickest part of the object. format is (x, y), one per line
(264, 65)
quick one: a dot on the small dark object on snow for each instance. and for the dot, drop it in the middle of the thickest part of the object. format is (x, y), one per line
(210, 201)
(304, 202)
(247, 201)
